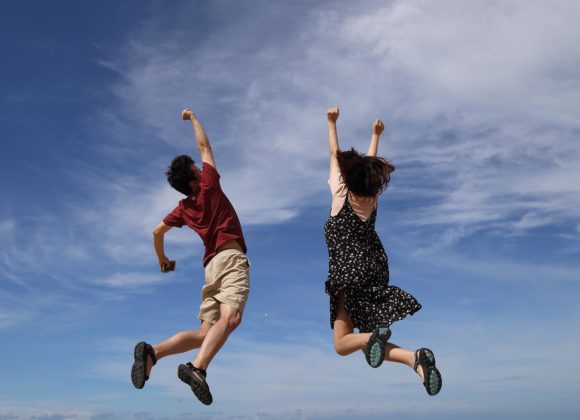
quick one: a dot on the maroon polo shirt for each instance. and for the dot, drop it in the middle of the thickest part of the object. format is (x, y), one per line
(210, 214)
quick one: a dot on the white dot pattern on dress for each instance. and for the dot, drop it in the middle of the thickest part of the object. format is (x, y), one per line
(359, 268)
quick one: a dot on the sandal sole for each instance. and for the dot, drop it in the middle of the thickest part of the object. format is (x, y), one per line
(375, 355)
(202, 393)
(433, 380)
(138, 376)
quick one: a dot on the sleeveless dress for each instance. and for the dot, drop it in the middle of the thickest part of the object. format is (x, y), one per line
(359, 268)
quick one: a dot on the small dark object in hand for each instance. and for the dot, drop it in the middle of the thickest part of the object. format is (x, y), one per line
(170, 266)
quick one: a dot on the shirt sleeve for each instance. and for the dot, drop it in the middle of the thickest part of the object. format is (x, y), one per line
(209, 176)
(335, 182)
(174, 218)
(337, 188)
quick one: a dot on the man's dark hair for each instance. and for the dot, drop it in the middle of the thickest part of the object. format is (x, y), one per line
(179, 174)
(364, 176)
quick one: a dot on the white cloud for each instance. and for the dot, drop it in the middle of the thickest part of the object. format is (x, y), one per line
(486, 87)
(7, 226)
(131, 279)
(303, 373)
(12, 316)
(532, 273)
(480, 102)
(479, 94)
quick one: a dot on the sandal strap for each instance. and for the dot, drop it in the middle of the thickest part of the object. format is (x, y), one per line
(151, 353)
(417, 361)
(196, 369)
(421, 358)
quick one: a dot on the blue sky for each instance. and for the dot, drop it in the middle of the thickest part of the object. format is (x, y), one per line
(481, 221)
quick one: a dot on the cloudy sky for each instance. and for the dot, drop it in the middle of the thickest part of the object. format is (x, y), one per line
(481, 221)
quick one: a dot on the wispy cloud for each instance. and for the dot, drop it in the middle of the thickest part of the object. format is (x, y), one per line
(471, 101)
(481, 102)
(305, 374)
(131, 279)
(481, 97)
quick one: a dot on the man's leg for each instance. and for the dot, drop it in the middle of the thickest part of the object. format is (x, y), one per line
(179, 343)
(182, 342)
(217, 335)
(224, 296)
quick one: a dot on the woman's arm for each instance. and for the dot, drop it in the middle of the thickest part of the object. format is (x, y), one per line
(333, 148)
(378, 128)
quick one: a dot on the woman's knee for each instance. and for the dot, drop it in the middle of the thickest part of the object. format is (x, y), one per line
(340, 350)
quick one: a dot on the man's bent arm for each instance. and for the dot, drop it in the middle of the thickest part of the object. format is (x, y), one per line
(158, 237)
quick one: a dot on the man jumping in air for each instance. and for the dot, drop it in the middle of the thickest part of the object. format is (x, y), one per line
(206, 210)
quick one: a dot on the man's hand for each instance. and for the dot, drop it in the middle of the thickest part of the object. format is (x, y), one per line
(378, 127)
(166, 265)
(332, 114)
(186, 114)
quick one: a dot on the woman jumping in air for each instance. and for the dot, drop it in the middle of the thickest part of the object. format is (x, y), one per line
(358, 277)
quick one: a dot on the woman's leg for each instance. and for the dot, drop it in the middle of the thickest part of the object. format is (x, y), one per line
(394, 353)
(345, 340)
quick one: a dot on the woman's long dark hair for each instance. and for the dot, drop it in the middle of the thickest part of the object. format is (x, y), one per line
(364, 176)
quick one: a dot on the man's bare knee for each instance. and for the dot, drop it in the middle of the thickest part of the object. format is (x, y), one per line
(230, 317)
(234, 320)
(231, 320)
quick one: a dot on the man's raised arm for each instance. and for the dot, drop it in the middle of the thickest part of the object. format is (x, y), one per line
(201, 139)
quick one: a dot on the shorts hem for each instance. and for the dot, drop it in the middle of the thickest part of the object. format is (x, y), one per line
(236, 305)
(207, 319)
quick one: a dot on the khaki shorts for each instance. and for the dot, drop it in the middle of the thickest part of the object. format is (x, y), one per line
(227, 280)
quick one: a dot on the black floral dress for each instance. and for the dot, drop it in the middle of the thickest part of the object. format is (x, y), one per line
(359, 268)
